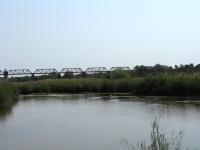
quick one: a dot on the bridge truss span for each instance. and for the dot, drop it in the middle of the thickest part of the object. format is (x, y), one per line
(53, 71)
(1, 72)
(126, 68)
(46, 71)
(92, 70)
(72, 70)
(19, 72)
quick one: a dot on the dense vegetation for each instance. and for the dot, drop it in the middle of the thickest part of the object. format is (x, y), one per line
(158, 80)
(156, 85)
(8, 93)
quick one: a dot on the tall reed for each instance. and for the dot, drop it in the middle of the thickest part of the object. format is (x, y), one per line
(155, 85)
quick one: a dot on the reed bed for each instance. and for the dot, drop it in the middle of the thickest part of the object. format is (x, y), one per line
(159, 85)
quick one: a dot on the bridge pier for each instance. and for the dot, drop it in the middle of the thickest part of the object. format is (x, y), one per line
(32, 76)
(58, 75)
(83, 74)
(5, 73)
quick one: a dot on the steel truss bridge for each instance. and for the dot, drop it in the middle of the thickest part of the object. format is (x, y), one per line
(49, 71)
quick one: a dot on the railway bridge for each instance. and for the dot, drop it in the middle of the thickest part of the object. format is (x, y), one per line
(91, 70)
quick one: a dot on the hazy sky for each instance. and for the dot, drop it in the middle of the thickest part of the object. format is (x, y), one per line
(83, 33)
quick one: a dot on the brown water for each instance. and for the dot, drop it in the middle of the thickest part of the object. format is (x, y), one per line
(89, 122)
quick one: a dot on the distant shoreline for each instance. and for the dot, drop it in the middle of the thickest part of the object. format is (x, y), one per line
(117, 83)
(162, 85)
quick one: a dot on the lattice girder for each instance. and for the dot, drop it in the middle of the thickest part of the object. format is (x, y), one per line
(45, 71)
(71, 70)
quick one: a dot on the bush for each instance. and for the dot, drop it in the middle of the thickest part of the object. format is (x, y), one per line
(119, 74)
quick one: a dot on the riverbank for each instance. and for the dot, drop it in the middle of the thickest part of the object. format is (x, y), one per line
(160, 85)
(186, 85)
(8, 93)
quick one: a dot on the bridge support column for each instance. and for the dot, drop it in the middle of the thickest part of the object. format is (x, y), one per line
(83, 74)
(32, 76)
(58, 75)
(5, 73)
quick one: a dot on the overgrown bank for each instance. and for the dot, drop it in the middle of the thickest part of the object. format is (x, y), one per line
(8, 93)
(160, 85)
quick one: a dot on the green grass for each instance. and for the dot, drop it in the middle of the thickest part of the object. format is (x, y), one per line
(159, 85)
(8, 93)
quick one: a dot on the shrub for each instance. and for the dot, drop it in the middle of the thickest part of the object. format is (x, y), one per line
(119, 74)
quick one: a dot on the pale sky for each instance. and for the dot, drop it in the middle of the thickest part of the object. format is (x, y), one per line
(84, 33)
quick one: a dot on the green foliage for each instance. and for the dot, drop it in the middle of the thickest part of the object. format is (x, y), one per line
(158, 140)
(8, 93)
(153, 85)
(106, 86)
(122, 85)
(119, 74)
(68, 75)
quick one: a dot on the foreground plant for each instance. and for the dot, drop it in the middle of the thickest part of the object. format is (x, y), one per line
(158, 140)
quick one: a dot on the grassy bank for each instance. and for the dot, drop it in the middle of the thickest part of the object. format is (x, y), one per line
(160, 85)
(8, 93)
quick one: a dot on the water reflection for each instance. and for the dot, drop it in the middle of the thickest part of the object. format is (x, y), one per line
(91, 121)
(166, 105)
(6, 111)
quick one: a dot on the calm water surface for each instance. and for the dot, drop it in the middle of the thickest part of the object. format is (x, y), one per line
(92, 122)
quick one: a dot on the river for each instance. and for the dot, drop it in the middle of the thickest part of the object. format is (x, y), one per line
(94, 122)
